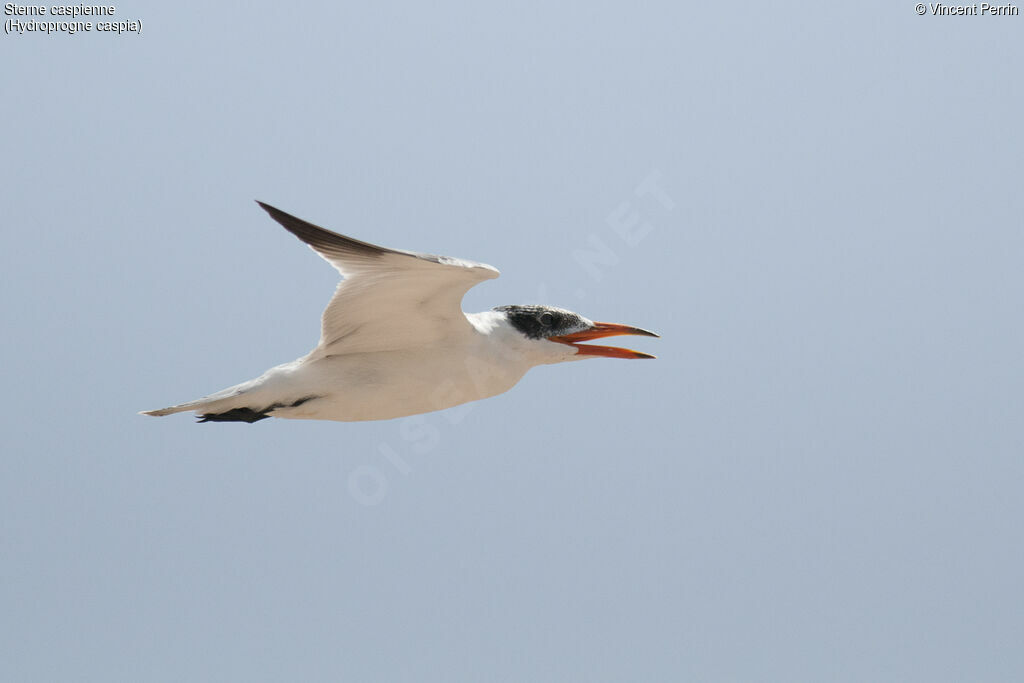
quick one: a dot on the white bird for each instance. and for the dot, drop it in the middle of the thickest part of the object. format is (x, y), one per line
(394, 341)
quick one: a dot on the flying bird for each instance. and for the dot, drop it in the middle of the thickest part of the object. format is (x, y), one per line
(394, 341)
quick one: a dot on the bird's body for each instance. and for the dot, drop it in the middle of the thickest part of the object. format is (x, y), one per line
(395, 342)
(377, 385)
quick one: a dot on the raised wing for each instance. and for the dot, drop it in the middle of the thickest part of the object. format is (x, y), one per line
(390, 299)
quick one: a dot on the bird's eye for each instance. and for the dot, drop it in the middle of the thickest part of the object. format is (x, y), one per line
(547, 320)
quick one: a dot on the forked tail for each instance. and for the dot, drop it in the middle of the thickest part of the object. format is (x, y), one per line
(233, 404)
(243, 403)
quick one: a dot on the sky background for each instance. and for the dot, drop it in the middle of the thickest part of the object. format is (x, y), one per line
(820, 478)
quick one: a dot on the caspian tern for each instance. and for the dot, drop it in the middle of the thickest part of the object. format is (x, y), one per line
(395, 342)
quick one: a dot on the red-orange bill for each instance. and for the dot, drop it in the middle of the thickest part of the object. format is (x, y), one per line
(604, 330)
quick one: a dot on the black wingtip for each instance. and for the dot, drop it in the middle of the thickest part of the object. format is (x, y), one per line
(327, 243)
(268, 208)
(235, 415)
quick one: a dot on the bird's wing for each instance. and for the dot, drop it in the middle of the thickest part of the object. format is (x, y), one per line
(389, 299)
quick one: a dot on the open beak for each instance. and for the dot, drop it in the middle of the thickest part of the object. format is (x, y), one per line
(603, 330)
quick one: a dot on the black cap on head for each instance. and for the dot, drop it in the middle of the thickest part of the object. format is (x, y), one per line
(540, 322)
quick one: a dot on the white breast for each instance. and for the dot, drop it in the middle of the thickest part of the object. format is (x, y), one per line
(387, 384)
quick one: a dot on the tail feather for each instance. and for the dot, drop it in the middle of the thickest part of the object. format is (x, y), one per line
(225, 399)
(163, 411)
(180, 408)
(246, 402)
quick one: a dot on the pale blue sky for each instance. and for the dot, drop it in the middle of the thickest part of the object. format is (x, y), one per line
(819, 479)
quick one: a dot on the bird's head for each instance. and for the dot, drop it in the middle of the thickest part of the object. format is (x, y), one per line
(558, 334)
